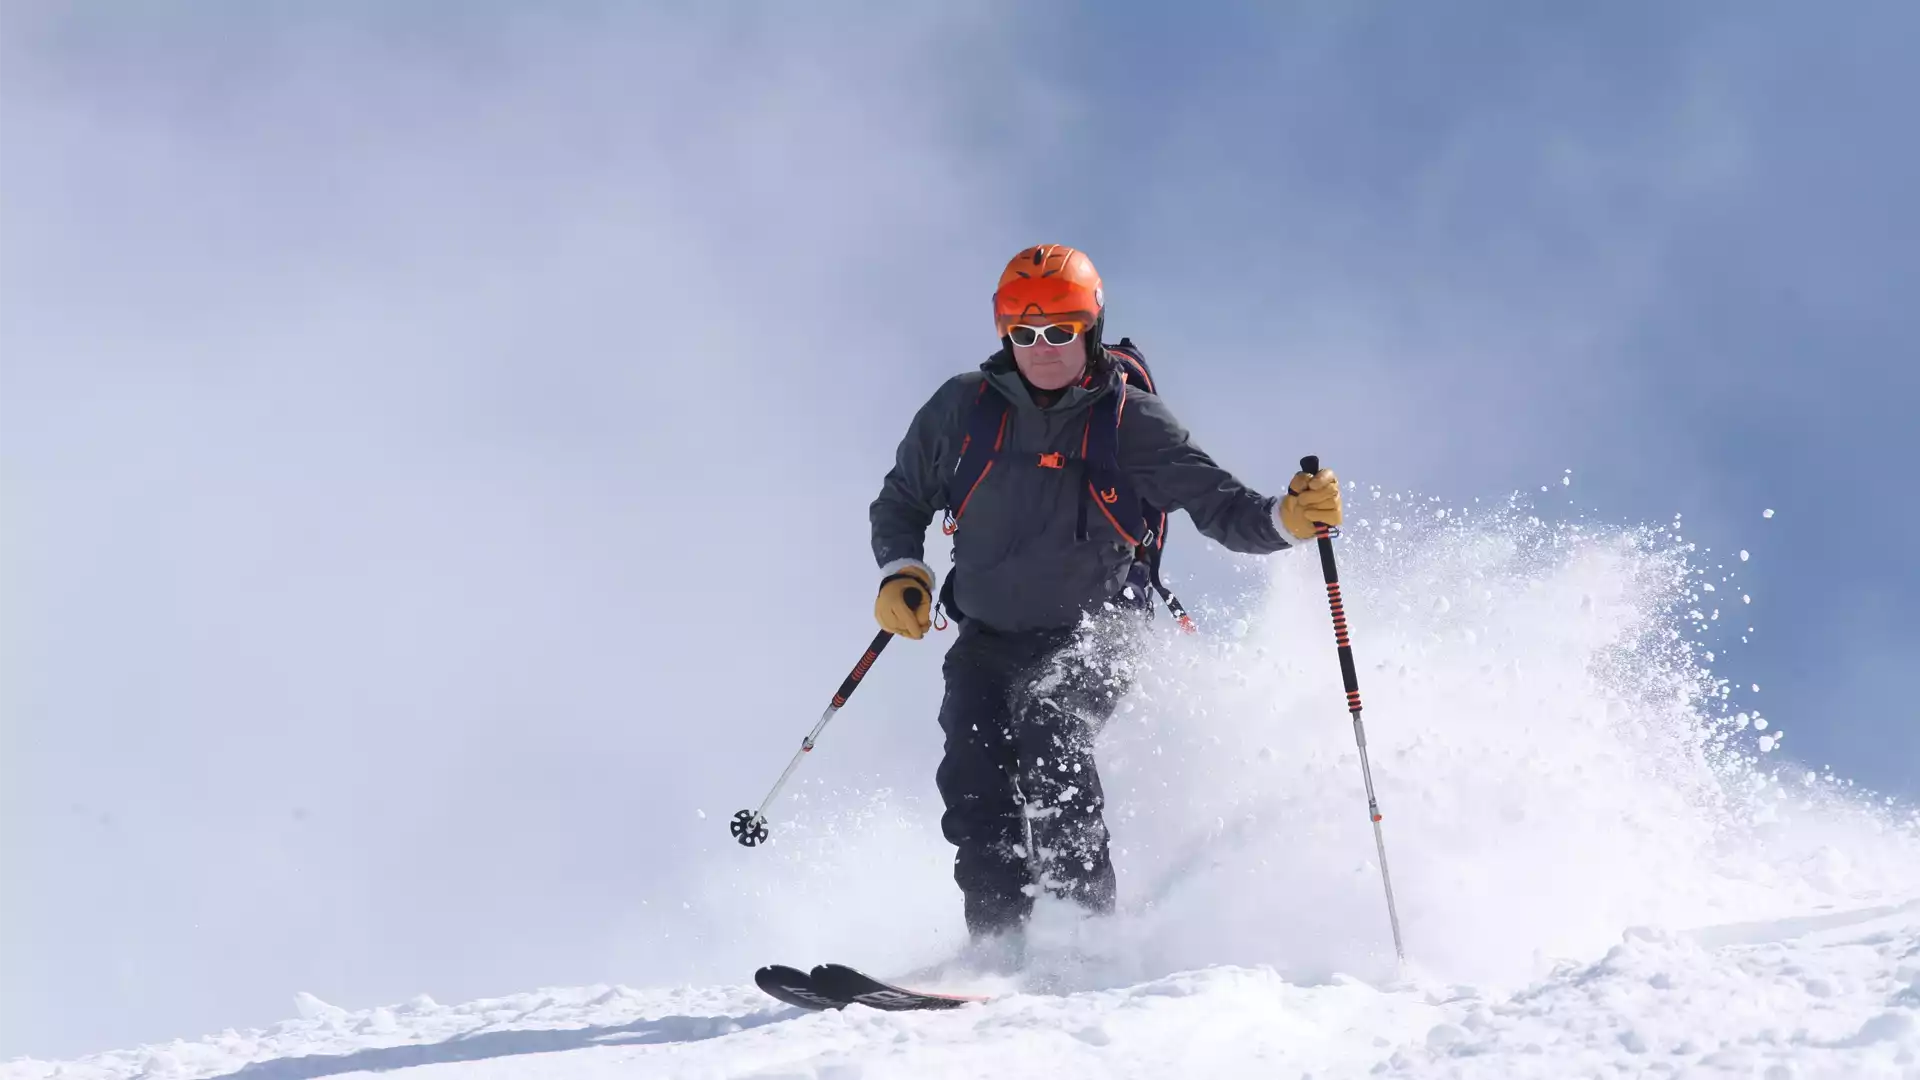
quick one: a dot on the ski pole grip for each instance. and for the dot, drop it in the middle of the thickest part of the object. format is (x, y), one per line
(1310, 464)
(912, 597)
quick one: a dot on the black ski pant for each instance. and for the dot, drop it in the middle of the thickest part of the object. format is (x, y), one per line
(1023, 800)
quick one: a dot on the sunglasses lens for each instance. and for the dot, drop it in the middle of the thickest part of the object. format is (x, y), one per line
(1023, 336)
(1059, 335)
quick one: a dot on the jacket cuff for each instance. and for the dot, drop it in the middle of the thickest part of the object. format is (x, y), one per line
(897, 565)
(1273, 511)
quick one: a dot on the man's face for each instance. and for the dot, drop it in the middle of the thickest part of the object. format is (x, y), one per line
(1052, 367)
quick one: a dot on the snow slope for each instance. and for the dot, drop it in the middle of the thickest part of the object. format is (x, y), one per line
(1838, 998)
(1605, 862)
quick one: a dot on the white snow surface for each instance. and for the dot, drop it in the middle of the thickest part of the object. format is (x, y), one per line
(1835, 996)
(1601, 870)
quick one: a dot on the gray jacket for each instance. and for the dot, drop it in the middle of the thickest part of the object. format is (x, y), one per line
(1017, 565)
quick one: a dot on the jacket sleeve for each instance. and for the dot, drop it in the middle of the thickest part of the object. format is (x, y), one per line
(916, 487)
(1169, 471)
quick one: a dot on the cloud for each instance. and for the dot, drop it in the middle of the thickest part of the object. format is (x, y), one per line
(433, 472)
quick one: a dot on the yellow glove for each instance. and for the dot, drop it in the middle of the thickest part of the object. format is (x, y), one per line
(891, 609)
(1309, 499)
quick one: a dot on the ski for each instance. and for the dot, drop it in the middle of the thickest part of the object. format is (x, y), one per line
(795, 987)
(836, 986)
(845, 984)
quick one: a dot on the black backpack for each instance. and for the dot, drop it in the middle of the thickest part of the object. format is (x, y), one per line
(1141, 524)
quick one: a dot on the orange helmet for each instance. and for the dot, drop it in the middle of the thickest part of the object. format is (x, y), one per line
(1050, 283)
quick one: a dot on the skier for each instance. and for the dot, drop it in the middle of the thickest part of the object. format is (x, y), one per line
(1029, 457)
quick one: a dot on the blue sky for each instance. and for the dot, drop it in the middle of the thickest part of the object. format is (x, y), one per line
(439, 439)
(1662, 245)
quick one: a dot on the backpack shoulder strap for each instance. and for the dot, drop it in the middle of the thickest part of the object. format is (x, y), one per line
(979, 449)
(1107, 485)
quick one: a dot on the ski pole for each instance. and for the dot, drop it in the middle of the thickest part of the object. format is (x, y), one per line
(750, 826)
(1311, 466)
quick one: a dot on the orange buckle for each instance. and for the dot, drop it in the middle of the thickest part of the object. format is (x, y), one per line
(1111, 495)
(1053, 461)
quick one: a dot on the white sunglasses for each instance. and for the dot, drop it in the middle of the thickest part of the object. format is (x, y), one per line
(1055, 334)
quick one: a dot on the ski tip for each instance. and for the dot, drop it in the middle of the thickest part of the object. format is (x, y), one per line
(794, 987)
